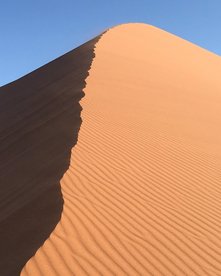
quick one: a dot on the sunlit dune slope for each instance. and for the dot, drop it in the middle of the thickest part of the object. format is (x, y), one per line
(142, 194)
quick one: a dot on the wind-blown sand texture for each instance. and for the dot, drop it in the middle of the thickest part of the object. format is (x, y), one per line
(142, 194)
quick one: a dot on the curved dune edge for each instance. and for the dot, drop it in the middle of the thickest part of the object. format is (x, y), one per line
(142, 193)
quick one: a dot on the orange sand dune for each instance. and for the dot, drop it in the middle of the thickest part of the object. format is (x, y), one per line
(142, 194)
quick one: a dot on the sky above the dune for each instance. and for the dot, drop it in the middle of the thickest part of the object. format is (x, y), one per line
(36, 32)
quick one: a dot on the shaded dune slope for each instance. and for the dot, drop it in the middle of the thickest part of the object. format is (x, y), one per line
(142, 193)
(39, 125)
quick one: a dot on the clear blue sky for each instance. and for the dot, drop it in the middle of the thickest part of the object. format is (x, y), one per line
(33, 33)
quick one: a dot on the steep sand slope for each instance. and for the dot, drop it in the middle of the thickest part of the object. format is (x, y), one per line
(39, 124)
(142, 195)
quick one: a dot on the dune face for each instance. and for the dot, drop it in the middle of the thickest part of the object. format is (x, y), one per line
(39, 124)
(142, 192)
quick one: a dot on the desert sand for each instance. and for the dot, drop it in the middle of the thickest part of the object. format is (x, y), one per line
(130, 184)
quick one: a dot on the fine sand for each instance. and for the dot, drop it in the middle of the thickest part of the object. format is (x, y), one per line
(142, 193)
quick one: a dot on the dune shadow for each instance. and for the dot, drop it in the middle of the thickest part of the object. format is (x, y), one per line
(40, 117)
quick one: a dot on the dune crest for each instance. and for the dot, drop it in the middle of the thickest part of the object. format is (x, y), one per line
(142, 192)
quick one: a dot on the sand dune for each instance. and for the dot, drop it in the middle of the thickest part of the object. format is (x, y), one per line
(142, 192)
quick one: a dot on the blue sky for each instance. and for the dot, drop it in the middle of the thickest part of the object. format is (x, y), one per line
(33, 33)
